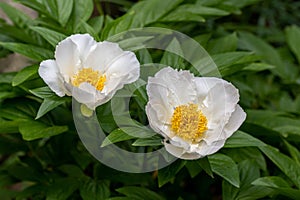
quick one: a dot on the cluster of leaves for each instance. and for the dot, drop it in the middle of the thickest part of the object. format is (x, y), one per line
(42, 157)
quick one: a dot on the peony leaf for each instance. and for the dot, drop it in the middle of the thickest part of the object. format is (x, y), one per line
(51, 36)
(152, 141)
(49, 104)
(24, 74)
(288, 166)
(34, 52)
(168, 173)
(92, 189)
(32, 130)
(117, 135)
(292, 36)
(225, 167)
(279, 185)
(139, 193)
(242, 139)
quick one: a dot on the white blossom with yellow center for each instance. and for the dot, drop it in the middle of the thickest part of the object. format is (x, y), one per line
(195, 114)
(89, 71)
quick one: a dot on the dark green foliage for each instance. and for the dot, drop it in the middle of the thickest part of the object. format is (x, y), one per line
(255, 45)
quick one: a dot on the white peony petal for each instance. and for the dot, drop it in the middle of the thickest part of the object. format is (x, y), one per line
(174, 150)
(157, 118)
(124, 69)
(67, 58)
(191, 156)
(204, 85)
(216, 98)
(49, 72)
(163, 96)
(177, 141)
(158, 98)
(221, 101)
(180, 152)
(180, 89)
(85, 94)
(235, 121)
(208, 149)
(85, 44)
(102, 54)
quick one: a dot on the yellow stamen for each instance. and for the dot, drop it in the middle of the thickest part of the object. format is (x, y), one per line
(100, 83)
(90, 76)
(188, 122)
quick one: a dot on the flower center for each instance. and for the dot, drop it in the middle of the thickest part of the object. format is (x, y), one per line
(188, 122)
(90, 76)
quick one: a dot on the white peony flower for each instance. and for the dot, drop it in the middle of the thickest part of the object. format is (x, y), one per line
(89, 71)
(195, 114)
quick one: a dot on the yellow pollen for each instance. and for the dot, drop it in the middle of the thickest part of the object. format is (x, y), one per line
(90, 76)
(188, 122)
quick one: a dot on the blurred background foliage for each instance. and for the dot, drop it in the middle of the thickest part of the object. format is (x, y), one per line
(255, 45)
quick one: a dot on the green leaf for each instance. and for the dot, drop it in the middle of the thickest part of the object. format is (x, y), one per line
(92, 189)
(24, 74)
(7, 77)
(242, 139)
(32, 130)
(51, 9)
(27, 173)
(34, 4)
(97, 23)
(86, 28)
(228, 63)
(152, 141)
(34, 52)
(81, 12)
(19, 109)
(132, 44)
(248, 173)
(259, 46)
(282, 124)
(51, 36)
(42, 92)
(205, 165)
(64, 9)
(117, 135)
(8, 126)
(19, 18)
(31, 191)
(224, 44)
(225, 167)
(141, 14)
(168, 173)
(139, 193)
(203, 10)
(192, 12)
(247, 153)
(179, 16)
(170, 59)
(49, 104)
(292, 36)
(289, 167)
(294, 152)
(193, 168)
(258, 67)
(269, 55)
(271, 181)
(62, 189)
(279, 185)
(72, 171)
